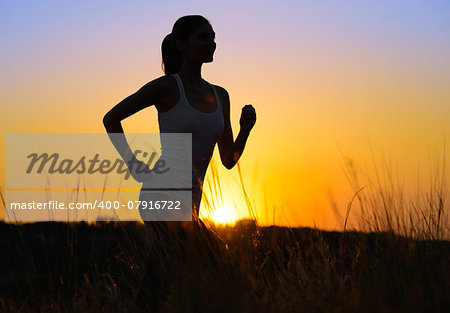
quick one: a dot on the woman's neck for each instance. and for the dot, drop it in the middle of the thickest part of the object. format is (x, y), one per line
(191, 75)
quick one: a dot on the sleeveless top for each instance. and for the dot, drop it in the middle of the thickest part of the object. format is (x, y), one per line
(206, 128)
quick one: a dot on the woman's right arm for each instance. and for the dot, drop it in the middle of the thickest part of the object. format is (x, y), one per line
(150, 94)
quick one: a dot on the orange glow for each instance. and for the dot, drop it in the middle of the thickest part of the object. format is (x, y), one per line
(224, 215)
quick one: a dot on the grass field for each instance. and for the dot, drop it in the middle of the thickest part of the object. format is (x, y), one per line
(400, 264)
(60, 267)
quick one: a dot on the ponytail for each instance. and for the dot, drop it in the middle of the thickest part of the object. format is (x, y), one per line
(182, 29)
(171, 56)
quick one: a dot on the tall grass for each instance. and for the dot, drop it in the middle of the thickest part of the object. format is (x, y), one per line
(399, 264)
(383, 205)
(213, 196)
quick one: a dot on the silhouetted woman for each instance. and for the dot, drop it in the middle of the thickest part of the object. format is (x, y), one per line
(186, 103)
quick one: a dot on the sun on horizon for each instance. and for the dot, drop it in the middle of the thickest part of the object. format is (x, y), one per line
(224, 215)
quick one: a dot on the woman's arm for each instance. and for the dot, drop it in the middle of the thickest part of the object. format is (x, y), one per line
(146, 96)
(230, 151)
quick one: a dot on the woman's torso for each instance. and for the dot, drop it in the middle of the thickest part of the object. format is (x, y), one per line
(196, 111)
(202, 99)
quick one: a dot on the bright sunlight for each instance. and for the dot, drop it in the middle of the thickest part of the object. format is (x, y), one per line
(224, 215)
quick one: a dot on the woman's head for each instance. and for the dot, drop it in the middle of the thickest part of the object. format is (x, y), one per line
(192, 37)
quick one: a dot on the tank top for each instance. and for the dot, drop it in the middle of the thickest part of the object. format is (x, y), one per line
(206, 128)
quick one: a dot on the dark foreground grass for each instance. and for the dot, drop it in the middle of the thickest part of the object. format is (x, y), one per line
(60, 267)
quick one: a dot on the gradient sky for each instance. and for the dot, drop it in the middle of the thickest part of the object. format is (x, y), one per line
(330, 81)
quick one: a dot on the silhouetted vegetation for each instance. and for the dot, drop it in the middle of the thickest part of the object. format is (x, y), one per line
(61, 267)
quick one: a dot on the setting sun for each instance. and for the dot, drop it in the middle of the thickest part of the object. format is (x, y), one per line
(224, 215)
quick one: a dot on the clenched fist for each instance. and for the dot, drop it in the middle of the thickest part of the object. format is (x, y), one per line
(248, 118)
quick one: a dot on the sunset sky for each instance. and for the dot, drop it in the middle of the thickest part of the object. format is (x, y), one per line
(330, 81)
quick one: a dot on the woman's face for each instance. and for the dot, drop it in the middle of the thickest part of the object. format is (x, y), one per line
(201, 45)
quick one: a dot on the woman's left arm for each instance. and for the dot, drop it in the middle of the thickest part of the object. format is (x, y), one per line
(230, 151)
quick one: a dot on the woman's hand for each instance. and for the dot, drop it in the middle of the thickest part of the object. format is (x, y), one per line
(248, 118)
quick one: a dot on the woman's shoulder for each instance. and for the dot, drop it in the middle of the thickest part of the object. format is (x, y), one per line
(164, 82)
(161, 86)
(220, 89)
(223, 94)
(158, 91)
